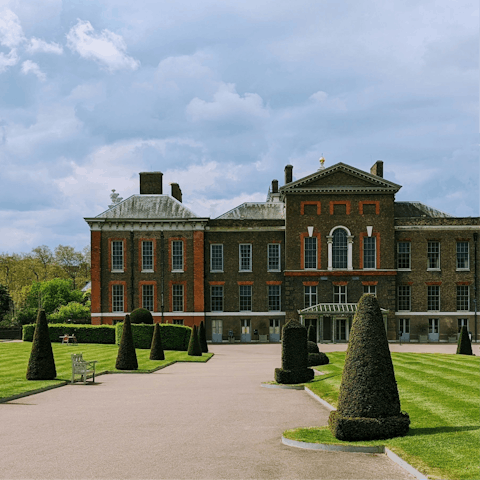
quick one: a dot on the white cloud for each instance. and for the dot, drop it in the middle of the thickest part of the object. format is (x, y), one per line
(31, 67)
(319, 96)
(37, 45)
(11, 32)
(227, 103)
(8, 60)
(106, 48)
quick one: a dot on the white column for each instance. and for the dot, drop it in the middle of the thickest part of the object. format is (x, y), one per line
(330, 249)
(350, 252)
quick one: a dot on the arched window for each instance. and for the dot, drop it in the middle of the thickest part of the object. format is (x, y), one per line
(339, 248)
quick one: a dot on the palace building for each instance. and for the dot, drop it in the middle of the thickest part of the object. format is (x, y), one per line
(308, 253)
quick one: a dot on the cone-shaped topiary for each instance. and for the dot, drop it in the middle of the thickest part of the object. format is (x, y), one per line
(194, 348)
(312, 347)
(156, 351)
(464, 346)
(141, 315)
(312, 334)
(368, 403)
(41, 365)
(294, 355)
(126, 357)
(202, 336)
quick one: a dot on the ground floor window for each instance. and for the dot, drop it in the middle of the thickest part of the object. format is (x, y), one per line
(274, 326)
(462, 322)
(117, 298)
(147, 297)
(177, 298)
(432, 325)
(177, 321)
(404, 326)
(217, 327)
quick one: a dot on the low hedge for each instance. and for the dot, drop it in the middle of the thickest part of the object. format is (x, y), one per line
(174, 337)
(84, 333)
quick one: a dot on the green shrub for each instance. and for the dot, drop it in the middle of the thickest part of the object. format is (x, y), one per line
(141, 315)
(194, 347)
(312, 337)
(368, 402)
(156, 352)
(315, 359)
(174, 337)
(202, 336)
(126, 357)
(312, 347)
(74, 311)
(294, 355)
(104, 334)
(41, 365)
(464, 346)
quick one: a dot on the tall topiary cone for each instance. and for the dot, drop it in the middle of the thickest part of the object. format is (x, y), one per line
(126, 357)
(156, 351)
(464, 346)
(294, 355)
(368, 403)
(194, 348)
(41, 365)
(202, 336)
(311, 334)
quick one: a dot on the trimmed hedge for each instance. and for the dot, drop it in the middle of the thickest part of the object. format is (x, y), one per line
(174, 337)
(315, 359)
(194, 347)
(104, 334)
(312, 347)
(41, 365)
(464, 346)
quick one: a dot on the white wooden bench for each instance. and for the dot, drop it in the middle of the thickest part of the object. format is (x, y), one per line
(82, 367)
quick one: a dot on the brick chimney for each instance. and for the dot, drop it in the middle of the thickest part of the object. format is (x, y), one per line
(151, 183)
(377, 169)
(288, 174)
(176, 192)
(274, 186)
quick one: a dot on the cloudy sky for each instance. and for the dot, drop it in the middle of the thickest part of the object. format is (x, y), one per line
(220, 95)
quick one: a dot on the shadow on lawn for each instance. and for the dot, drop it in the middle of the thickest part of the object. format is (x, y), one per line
(436, 430)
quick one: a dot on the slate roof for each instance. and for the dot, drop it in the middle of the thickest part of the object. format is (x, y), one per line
(417, 209)
(256, 211)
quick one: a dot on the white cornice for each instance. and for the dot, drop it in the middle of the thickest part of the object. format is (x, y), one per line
(436, 227)
(434, 314)
(144, 225)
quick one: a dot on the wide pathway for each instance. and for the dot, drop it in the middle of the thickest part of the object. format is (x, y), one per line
(188, 421)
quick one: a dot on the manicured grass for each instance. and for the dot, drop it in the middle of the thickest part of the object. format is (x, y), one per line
(14, 361)
(441, 393)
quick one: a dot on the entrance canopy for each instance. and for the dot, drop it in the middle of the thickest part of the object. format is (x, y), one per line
(333, 309)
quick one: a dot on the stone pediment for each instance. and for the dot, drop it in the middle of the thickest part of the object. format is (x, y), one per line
(340, 178)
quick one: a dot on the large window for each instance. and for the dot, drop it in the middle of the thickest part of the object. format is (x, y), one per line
(147, 297)
(117, 298)
(216, 298)
(245, 257)
(310, 252)
(177, 298)
(274, 298)
(216, 257)
(339, 248)
(463, 303)
(339, 294)
(433, 298)
(463, 260)
(273, 257)
(370, 289)
(245, 298)
(147, 256)
(369, 252)
(177, 256)
(117, 256)
(433, 255)
(404, 298)
(403, 256)
(310, 295)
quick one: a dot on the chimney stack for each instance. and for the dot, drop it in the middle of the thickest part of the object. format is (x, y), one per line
(151, 183)
(377, 169)
(288, 174)
(274, 186)
(176, 192)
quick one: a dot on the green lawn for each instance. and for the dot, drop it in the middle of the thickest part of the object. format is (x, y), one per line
(441, 393)
(14, 361)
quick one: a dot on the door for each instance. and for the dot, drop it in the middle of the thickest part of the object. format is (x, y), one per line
(404, 332)
(327, 329)
(245, 336)
(274, 332)
(433, 332)
(340, 329)
(217, 331)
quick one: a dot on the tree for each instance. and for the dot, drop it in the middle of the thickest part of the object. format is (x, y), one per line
(464, 346)
(126, 357)
(45, 257)
(368, 403)
(70, 261)
(41, 365)
(202, 336)
(75, 312)
(6, 302)
(156, 350)
(194, 347)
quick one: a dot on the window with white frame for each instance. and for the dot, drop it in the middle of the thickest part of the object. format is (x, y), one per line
(310, 295)
(217, 327)
(463, 298)
(339, 294)
(310, 252)
(463, 260)
(403, 256)
(433, 298)
(433, 325)
(147, 297)
(216, 257)
(177, 298)
(404, 325)
(245, 257)
(147, 256)
(404, 298)
(370, 289)
(117, 298)
(369, 252)
(339, 248)
(177, 256)
(273, 298)
(117, 256)
(462, 322)
(245, 298)
(216, 296)
(177, 321)
(273, 257)
(433, 255)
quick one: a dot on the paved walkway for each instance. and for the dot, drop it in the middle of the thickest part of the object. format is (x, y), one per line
(195, 421)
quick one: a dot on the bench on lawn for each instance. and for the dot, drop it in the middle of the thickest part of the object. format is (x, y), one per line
(66, 339)
(82, 367)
